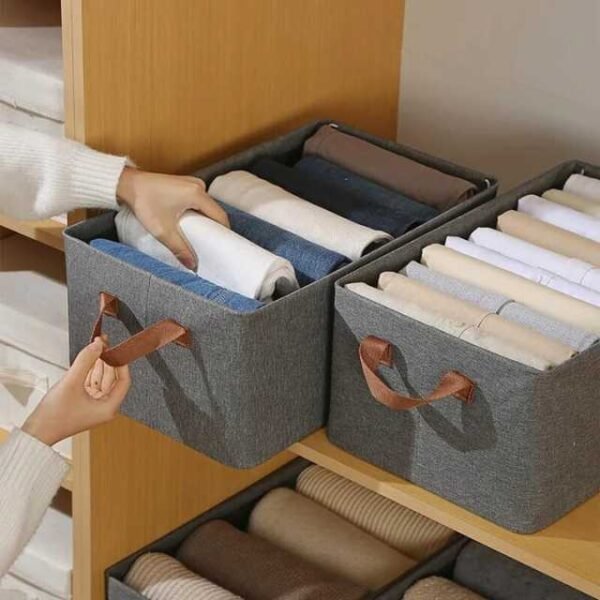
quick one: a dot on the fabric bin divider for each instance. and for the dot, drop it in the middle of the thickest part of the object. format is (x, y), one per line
(251, 384)
(522, 453)
(236, 510)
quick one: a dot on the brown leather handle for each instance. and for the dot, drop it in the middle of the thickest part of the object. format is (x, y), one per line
(146, 341)
(374, 351)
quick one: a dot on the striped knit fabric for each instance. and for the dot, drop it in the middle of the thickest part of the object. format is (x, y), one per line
(438, 588)
(407, 531)
(160, 577)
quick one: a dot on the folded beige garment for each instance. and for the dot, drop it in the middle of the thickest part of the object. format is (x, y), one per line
(438, 588)
(461, 330)
(584, 205)
(488, 322)
(407, 531)
(543, 299)
(159, 576)
(548, 236)
(310, 531)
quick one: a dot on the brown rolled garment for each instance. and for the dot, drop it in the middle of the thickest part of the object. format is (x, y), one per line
(257, 570)
(311, 531)
(415, 180)
(438, 588)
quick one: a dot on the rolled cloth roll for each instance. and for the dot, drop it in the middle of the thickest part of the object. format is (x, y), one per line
(439, 588)
(258, 570)
(316, 534)
(346, 194)
(560, 216)
(275, 205)
(582, 185)
(407, 531)
(584, 205)
(548, 236)
(160, 577)
(415, 180)
(487, 322)
(547, 301)
(496, 576)
(224, 257)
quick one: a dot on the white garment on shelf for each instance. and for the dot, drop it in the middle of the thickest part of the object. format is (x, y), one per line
(14, 588)
(32, 70)
(541, 276)
(582, 185)
(27, 120)
(573, 269)
(224, 257)
(275, 205)
(560, 216)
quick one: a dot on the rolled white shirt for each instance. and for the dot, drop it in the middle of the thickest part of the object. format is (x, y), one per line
(275, 205)
(224, 257)
(582, 185)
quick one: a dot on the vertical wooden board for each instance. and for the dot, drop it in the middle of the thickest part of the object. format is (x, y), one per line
(182, 83)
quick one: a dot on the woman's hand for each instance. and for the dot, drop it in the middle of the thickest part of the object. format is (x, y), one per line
(159, 201)
(89, 394)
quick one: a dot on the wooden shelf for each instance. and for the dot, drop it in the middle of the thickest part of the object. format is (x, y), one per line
(569, 550)
(67, 483)
(47, 232)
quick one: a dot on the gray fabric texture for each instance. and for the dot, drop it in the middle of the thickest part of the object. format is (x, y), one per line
(252, 384)
(522, 454)
(498, 577)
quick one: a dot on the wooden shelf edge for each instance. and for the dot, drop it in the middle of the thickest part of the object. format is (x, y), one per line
(67, 483)
(568, 551)
(48, 232)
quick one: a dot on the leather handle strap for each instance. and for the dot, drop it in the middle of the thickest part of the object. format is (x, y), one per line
(374, 351)
(146, 341)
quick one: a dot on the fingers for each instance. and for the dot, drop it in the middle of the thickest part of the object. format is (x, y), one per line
(121, 386)
(178, 245)
(86, 360)
(207, 206)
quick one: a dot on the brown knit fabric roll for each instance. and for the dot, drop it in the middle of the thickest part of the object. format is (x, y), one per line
(438, 588)
(415, 180)
(258, 570)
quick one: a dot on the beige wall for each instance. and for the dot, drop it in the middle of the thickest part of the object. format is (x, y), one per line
(510, 87)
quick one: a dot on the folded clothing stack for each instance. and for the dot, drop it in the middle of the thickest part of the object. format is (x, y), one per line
(528, 291)
(330, 539)
(292, 225)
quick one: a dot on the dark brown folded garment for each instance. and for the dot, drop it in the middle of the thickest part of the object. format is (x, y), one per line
(256, 570)
(419, 182)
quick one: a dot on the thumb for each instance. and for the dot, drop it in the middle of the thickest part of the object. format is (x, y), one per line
(86, 359)
(179, 246)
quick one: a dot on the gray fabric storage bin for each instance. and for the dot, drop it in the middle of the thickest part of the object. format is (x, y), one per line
(251, 384)
(237, 509)
(523, 453)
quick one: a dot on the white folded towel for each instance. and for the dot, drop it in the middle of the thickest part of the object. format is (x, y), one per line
(572, 269)
(541, 276)
(275, 205)
(560, 216)
(224, 257)
(581, 185)
(584, 205)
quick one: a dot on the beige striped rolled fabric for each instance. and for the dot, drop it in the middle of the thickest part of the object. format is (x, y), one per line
(438, 588)
(407, 531)
(160, 577)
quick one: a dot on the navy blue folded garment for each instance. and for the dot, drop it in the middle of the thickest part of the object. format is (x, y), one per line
(310, 261)
(346, 194)
(185, 279)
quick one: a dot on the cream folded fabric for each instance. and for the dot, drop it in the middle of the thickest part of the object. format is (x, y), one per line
(572, 269)
(407, 531)
(582, 185)
(548, 236)
(159, 576)
(224, 257)
(308, 530)
(488, 322)
(461, 330)
(275, 205)
(584, 205)
(560, 216)
(547, 301)
(439, 588)
(535, 274)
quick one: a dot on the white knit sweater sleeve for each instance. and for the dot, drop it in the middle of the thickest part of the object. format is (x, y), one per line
(30, 475)
(42, 176)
